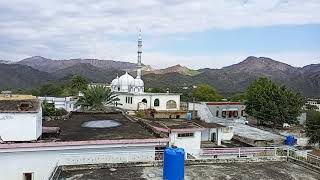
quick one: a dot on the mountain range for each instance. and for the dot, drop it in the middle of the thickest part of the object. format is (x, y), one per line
(35, 71)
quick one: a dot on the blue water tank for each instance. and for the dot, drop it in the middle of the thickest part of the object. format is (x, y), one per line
(189, 116)
(290, 140)
(173, 164)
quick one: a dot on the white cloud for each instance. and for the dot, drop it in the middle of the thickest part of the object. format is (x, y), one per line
(99, 28)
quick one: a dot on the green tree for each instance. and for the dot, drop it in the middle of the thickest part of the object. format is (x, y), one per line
(271, 103)
(95, 98)
(206, 92)
(78, 83)
(48, 109)
(313, 126)
(239, 97)
(50, 90)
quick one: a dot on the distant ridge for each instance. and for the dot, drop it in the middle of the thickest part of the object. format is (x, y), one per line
(35, 71)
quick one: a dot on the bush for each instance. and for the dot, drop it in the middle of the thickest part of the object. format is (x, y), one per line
(60, 112)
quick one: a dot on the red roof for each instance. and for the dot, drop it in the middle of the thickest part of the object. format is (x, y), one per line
(224, 103)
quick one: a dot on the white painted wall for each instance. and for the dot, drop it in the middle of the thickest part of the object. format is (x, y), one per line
(20, 126)
(66, 103)
(205, 114)
(206, 135)
(150, 97)
(42, 161)
(191, 145)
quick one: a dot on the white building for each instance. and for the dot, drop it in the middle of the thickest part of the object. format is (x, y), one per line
(314, 102)
(223, 113)
(67, 103)
(20, 118)
(131, 95)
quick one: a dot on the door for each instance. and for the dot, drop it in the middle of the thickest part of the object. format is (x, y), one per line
(213, 137)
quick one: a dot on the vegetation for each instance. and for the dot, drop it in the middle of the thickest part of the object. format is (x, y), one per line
(95, 98)
(313, 126)
(206, 92)
(271, 103)
(239, 97)
(69, 87)
(78, 83)
(48, 109)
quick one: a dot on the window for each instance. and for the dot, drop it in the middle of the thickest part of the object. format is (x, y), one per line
(126, 99)
(224, 114)
(242, 113)
(217, 113)
(171, 104)
(27, 176)
(185, 135)
(145, 101)
(156, 103)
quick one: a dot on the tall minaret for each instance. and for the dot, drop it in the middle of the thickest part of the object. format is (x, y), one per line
(139, 65)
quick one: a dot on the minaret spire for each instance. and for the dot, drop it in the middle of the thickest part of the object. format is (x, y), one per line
(139, 65)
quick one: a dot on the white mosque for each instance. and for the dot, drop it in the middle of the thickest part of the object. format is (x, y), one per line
(130, 91)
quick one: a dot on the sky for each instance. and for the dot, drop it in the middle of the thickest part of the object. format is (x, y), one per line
(196, 34)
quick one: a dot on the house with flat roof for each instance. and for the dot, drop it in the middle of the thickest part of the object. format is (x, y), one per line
(20, 118)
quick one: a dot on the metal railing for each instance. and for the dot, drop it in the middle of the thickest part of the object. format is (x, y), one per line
(154, 156)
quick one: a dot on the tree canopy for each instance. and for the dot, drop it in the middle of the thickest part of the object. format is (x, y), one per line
(271, 103)
(313, 126)
(78, 83)
(96, 97)
(206, 93)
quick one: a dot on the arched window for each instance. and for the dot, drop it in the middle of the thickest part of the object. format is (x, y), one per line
(217, 113)
(145, 101)
(171, 104)
(156, 103)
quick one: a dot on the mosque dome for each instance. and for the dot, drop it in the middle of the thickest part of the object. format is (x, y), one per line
(115, 82)
(126, 80)
(138, 82)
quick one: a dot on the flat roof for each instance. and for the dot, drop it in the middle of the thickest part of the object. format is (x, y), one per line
(175, 124)
(19, 105)
(224, 103)
(72, 130)
(16, 97)
(252, 170)
(147, 94)
(208, 125)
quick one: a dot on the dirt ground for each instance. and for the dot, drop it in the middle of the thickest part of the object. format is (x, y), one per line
(230, 171)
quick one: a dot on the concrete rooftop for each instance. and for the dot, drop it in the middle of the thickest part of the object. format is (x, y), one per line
(239, 171)
(71, 129)
(255, 133)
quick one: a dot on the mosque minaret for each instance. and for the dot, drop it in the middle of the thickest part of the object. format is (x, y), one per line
(126, 83)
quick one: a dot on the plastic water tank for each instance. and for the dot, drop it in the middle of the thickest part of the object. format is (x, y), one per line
(189, 116)
(173, 164)
(290, 140)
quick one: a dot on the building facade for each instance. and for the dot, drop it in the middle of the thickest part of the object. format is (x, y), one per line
(67, 103)
(131, 96)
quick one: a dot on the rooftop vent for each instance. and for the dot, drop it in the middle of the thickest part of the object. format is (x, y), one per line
(24, 106)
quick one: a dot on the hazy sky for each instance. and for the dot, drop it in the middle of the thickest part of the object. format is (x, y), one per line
(194, 33)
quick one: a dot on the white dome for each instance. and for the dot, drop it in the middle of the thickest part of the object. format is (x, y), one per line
(126, 80)
(115, 82)
(138, 82)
